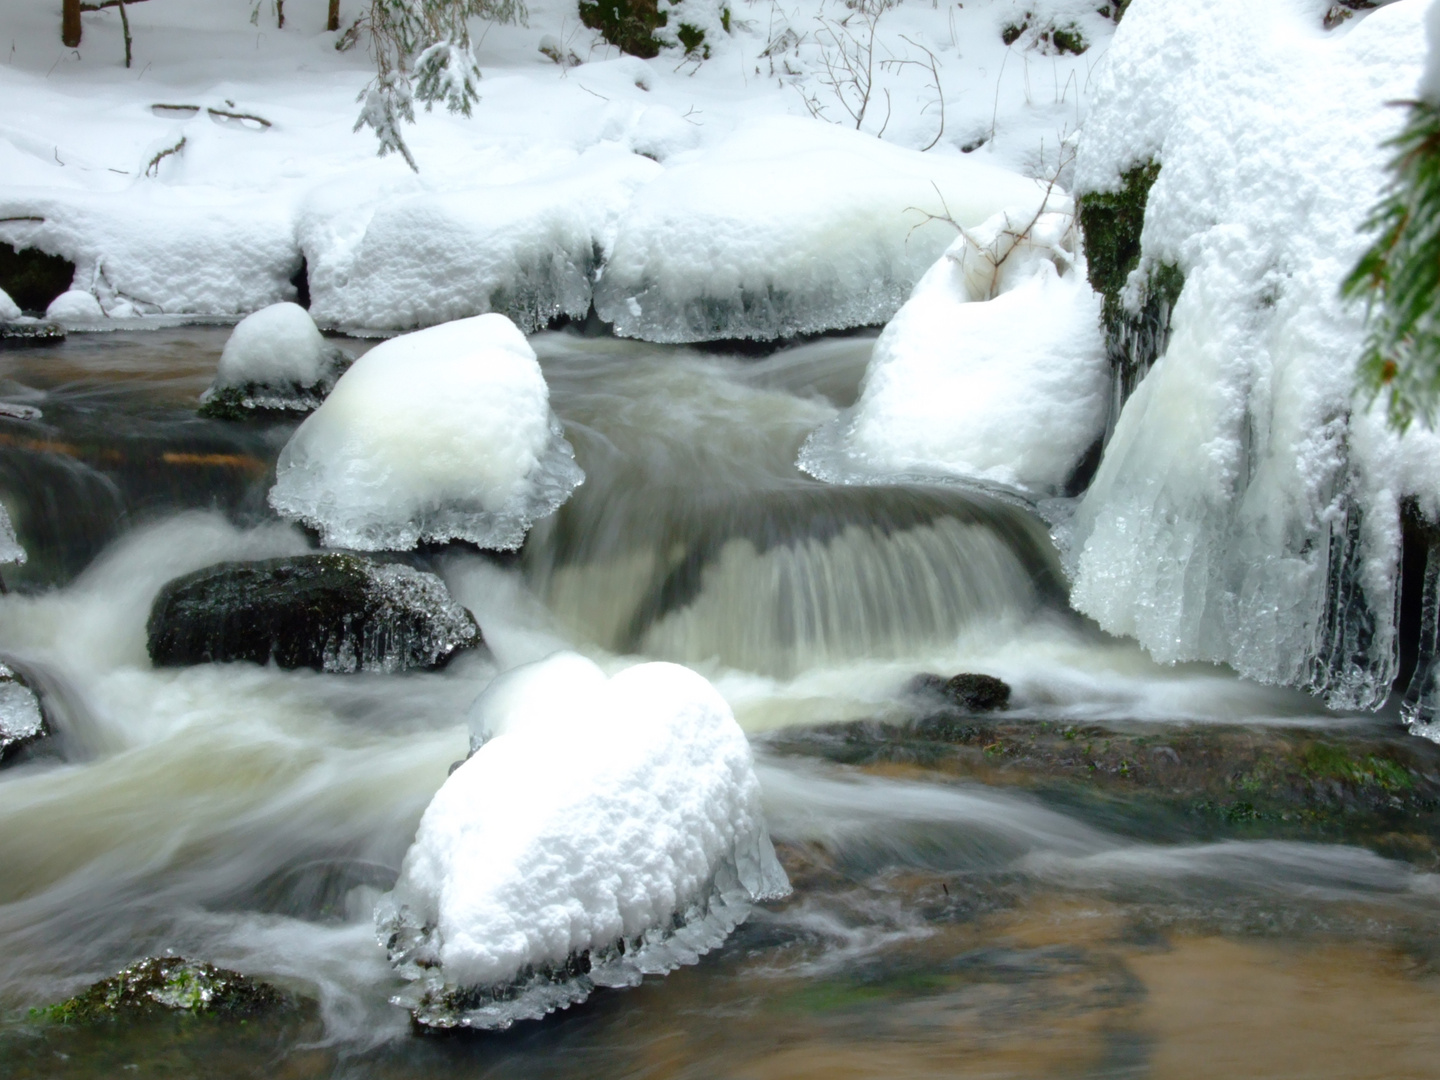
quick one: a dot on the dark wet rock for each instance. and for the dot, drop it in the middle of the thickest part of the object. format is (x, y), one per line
(253, 400)
(33, 278)
(973, 693)
(170, 984)
(21, 333)
(22, 720)
(1175, 782)
(332, 612)
(629, 25)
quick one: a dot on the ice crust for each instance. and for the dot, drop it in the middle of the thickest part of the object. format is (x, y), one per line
(21, 719)
(604, 829)
(11, 550)
(438, 435)
(790, 227)
(1246, 509)
(990, 373)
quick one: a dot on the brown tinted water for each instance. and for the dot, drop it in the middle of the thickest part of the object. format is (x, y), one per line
(1135, 872)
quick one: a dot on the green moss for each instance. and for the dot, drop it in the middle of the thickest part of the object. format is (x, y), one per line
(1010, 32)
(1325, 761)
(725, 19)
(168, 984)
(628, 24)
(1069, 39)
(692, 39)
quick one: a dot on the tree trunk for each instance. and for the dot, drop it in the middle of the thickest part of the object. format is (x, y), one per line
(333, 21)
(70, 23)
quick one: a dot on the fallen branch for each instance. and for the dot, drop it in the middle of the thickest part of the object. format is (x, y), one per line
(227, 115)
(153, 169)
(22, 217)
(108, 4)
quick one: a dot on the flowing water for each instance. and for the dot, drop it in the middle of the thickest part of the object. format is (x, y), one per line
(943, 923)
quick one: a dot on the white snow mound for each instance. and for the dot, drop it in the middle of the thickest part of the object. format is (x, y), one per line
(438, 435)
(9, 310)
(995, 370)
(274, 346)
(74, 305)
(790, 227)
(606, 829)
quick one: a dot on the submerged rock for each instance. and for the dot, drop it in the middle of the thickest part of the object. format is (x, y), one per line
(21, 332)
(274, 362)
(973, 693)
(332, 612)
(170, 984)
(22, 721)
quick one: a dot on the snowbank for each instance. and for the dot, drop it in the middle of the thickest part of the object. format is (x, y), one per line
(607, 829)
(790, 227)
(438, 435)
(1246, 509)
(997, 374)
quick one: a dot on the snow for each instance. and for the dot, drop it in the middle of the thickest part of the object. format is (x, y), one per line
(518, 209)
(442, 434)
(724, 242)
(9, 310)
(1244, 493)
(75, 305)
(1004, 381)
(611, 820)
(275, 346)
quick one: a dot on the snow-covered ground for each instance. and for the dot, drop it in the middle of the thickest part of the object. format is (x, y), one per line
(514, 208)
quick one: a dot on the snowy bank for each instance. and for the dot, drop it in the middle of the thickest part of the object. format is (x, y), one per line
(993, 370)
(439, 435)
(604, 830)
(1247, 509)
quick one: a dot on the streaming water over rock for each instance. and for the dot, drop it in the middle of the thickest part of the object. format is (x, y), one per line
(1010, 899)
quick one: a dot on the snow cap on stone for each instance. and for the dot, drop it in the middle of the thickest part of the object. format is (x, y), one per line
(274, 346)
(442, 434)
(74, 305)
(9, 310)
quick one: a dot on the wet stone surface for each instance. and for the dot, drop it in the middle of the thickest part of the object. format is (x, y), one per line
(22, 721)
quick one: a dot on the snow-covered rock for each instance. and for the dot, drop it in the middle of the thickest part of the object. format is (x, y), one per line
(74, 305)
(607, 829)
(8, 308)
(791, 227)
(994, 369)
(1246, 509)
(438, 435)
(275, 358)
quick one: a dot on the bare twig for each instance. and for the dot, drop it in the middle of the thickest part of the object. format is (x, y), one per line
(108, 4)
(21, 217)
(153, 168)
(933, 66)
(125, 29)
(225, 114)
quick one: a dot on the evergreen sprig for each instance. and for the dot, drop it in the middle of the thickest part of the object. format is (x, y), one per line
(422, 53)
(1399, 276)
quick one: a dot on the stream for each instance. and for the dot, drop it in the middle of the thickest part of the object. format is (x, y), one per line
(969, 900)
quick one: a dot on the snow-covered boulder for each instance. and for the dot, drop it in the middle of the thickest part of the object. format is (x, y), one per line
(443, 434)
(74, 305)
(275, 359)
(604, 830)
(1247, 507)
(994, 369)
(9, 310)
(791, 227)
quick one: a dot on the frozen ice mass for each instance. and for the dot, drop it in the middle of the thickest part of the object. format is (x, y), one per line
(442, 434)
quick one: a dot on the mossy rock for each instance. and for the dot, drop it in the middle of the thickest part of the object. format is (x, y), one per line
(332, 612)
(259, 401)
(22, 334)
(968, 691)
(33, 278)
(168, 985)
(628, 24)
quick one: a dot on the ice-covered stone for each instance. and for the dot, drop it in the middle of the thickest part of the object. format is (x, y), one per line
(74, 305)
(791, 227)
(604, 830)
(11, 550)
(443, 434)
(21, 719)
(275, 359)
(993, 370)
(332, 612)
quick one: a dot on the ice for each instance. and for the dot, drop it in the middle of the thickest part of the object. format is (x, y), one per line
(1246, 509)
(276, 359)
(10, 549)
(21, 718)
(605, 830)
(438, 435)
(9, 310)
(988, 372)
(76, 305)
(791, 227)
